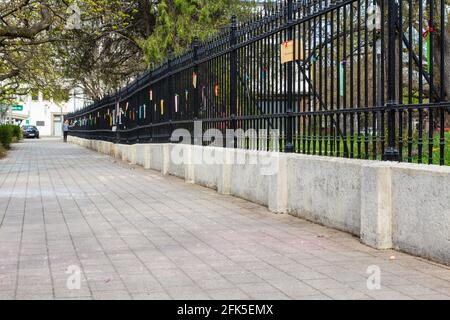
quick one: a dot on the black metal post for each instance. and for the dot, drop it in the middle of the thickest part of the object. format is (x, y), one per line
(118, 96)
(169, 96)
(233, 78)
(391, 153)
(289, 147)
(195, 90)
(137, 122)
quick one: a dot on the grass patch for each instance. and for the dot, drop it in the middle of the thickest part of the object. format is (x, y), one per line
(333, 146)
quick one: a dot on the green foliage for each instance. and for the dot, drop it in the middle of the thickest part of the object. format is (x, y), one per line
(6, 135)
(2, 151)
(178, 22)
(28, 29)
(16, 132)
(118, 39)
(336, 143)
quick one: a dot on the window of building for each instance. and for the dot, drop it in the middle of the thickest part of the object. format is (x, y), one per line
(40, 123)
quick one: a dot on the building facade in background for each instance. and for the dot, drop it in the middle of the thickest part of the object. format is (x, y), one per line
(45, 114)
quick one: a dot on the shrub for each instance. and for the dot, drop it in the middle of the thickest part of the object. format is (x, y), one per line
(6, 135)
(2, 151)
(16, 132)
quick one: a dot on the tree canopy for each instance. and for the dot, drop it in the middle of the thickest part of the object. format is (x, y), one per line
(26, 29)
(97, 44)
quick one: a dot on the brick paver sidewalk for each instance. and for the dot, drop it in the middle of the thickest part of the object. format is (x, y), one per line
(136, 234)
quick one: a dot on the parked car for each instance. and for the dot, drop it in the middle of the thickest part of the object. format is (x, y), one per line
(30, 132)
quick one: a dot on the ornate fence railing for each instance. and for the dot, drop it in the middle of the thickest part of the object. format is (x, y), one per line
(351, 78)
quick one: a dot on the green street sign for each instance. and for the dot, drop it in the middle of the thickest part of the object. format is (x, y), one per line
(17, 108)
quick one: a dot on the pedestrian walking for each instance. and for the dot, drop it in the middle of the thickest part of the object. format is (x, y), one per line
(66, 127)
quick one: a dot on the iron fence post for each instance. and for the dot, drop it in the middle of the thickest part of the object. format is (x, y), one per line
(195, 91)
(391, 153)
(170, 97)
(233, 78)
(116, 114)
(289, 146)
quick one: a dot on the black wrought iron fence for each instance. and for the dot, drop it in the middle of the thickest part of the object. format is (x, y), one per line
(366, 79)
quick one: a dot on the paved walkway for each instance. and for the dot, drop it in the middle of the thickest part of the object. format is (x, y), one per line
(136, 234)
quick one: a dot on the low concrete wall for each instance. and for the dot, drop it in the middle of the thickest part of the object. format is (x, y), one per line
(141, 154)
(388, 205)
(156, 157)
(177, 168)
(208, 174)
(421, 210)
(246, 179)
(325, 190)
